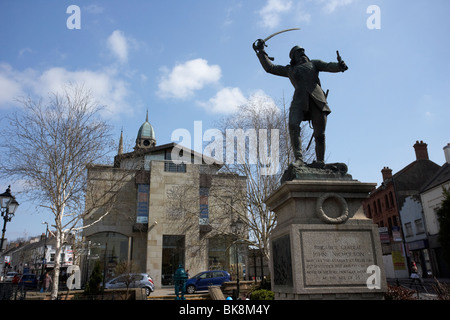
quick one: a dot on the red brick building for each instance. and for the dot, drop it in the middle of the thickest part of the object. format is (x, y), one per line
(381, 206)
(385, 204)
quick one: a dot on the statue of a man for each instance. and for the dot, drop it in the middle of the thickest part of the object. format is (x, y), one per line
(309, 101)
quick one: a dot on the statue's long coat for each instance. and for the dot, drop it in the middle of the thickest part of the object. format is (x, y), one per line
(305, 79)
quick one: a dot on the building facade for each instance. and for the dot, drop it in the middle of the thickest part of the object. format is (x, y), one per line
(396, 207)
(164, 213)
(431, 198)
(36, 256)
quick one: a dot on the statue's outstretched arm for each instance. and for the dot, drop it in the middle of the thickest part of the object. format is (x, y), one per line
(330, 66)
(269, 67)
(340, 66)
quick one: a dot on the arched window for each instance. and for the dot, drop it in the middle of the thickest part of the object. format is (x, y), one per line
(110, 249)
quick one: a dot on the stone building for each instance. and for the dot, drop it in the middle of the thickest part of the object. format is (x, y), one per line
(163, 213)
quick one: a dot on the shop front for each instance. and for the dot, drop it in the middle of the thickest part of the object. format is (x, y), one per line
(418, 251)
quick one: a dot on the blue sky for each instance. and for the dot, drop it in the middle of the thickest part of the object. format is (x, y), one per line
(187, 61)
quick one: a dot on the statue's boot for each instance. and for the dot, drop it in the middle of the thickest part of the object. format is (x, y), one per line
(296, 146)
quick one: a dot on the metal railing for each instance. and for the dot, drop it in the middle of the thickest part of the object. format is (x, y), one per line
(11, 291)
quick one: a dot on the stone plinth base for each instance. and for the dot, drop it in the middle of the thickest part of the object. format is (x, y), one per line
(323, 246)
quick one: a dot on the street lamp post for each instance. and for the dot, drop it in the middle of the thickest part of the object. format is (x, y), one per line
(44, 256)
(8, 208)
(236, 228)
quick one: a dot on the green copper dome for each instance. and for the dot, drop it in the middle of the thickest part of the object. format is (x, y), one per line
(146, 136)
(146, 130)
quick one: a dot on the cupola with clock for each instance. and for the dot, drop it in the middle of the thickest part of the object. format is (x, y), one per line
(146, 136)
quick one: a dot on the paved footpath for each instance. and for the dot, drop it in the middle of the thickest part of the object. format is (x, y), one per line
(168, 293)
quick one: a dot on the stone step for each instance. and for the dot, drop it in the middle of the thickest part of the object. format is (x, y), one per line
(188, 297)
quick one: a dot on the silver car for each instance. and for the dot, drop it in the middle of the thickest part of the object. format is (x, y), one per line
(10, 276)
(132, 280)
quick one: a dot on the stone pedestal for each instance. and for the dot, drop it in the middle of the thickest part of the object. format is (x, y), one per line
(323, 246)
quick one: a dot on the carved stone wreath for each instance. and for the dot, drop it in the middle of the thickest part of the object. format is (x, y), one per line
(343, 204)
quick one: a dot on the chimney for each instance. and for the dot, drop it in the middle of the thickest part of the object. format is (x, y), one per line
(447, 153)
(421, 150)
(387, 173)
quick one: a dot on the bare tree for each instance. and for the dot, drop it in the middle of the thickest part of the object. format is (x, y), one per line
(257, 148)
(262, 115)
(226, 202)
(204, 206)
(128, 271)
(49, 147)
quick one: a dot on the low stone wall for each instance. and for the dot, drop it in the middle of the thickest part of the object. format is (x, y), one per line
(109, 294)
(245, 287)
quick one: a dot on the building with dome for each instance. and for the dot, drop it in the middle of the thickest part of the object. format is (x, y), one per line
(146, 136)
(163, 213)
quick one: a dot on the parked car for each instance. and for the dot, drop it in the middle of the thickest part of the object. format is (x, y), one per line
(203, 280)
(10, 276)
(29, 281)
(133, 280)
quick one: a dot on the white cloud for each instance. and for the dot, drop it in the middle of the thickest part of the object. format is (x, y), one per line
(259, 100)
(10, 86)
(24, 51)
(300, 15)
(226, 101)
(106, 84)
(106, 87)
(276, 11)
(272, 11)
(93, 9)
(186, 78)
(331, 5)
(229, 13)
(118, 45)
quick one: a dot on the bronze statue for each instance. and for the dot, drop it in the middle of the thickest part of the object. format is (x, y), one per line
(309, 102)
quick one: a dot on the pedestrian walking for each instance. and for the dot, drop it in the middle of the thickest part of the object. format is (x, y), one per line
(415, 275)
(47, 282)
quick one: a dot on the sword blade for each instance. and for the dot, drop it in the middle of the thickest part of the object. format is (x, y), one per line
(276, 33)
